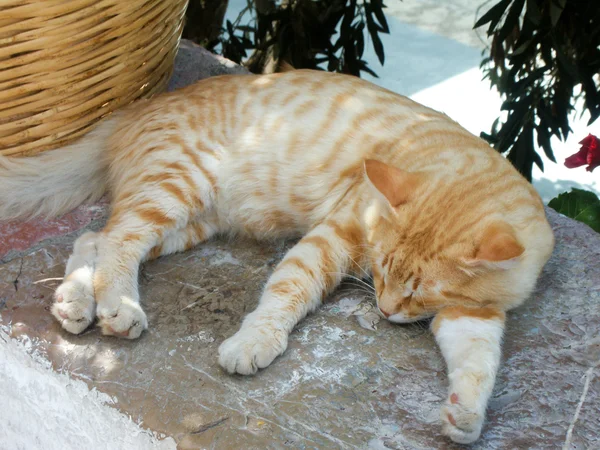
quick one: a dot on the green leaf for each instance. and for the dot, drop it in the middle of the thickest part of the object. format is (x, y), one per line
(515, 121)
(563, 59)
(556, 9)
(493, 15)
(592, 96)
(349, 15)
(377, 9)
(372, 27)
(512, 19)
(537, 159)
(533, 12)
(543, 140)
(338, 44)
(360, 40)
(580, 205)
(490, 138)
(365, 68)
(333, 63)
(246, 28)
(590, 216)
(522, 48)
(378, 46)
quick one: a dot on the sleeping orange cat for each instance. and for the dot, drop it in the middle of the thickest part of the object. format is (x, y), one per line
(370, 181)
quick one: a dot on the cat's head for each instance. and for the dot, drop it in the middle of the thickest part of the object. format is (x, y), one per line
(429, 250)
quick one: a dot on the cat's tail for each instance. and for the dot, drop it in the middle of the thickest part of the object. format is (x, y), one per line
(56, 181)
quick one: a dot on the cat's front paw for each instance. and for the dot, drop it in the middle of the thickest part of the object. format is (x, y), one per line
(123, 318)
(74, 304)
(251, 349)
(461, 423)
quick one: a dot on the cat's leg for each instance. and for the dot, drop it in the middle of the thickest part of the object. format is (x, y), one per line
(75, 306)
(169, 196)
(307, 273)
(471, 342)
(121, 247)
(184, 239)
(132, 238)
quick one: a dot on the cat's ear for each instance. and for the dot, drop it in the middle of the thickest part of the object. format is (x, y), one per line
(396, 185)
(498, 248)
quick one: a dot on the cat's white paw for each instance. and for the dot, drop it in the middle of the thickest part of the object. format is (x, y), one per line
(122, 318)
(459, 422)
(74, 305)
(251, 349)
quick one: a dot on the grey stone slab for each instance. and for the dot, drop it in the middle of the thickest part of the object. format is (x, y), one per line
(194, 63)
(338, 385)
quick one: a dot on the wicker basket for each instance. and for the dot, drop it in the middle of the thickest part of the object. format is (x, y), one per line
(64, 64)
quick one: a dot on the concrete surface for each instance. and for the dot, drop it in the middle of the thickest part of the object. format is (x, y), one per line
(339, 385)
(44, 409)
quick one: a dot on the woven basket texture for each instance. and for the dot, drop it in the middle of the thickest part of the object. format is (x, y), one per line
(64, 64)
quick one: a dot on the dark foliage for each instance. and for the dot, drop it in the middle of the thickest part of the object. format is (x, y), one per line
(203, 19)
(310, 34)
(544, 55)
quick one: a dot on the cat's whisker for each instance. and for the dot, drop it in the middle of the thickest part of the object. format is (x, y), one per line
(367, 274)
(358, 289)
(356, 279)
(370, 250)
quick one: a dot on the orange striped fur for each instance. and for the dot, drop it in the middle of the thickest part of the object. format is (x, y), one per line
(373, 183)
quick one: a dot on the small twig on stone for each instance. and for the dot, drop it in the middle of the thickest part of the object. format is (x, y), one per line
(48, 279)
(16, 280)
(586, 386)
(210, 425)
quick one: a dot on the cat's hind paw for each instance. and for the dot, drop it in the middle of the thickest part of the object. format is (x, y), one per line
(124, 318)
(74, 305)
(251, 349)
(460, 423)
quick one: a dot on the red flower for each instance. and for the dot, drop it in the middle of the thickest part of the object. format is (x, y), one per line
(589, 154)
